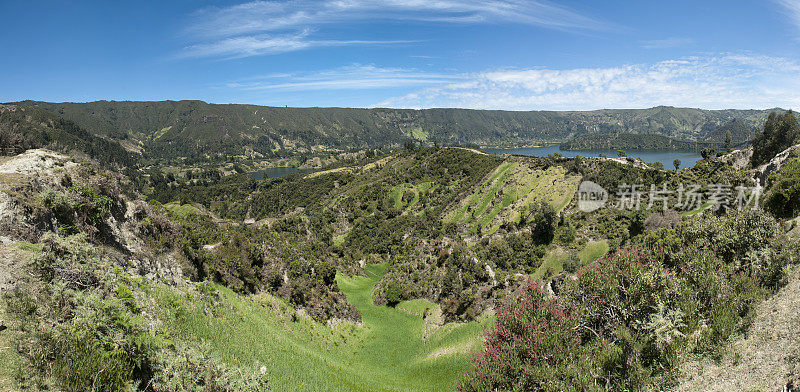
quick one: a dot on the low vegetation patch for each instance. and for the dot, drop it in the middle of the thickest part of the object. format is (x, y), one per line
(627, 319)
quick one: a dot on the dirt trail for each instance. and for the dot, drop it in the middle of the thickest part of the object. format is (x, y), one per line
(768, 357)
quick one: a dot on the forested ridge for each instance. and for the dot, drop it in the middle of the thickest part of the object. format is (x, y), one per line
(195, 129)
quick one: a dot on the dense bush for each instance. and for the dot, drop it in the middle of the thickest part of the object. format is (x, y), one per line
(79, 209)
(533, 347)
(83, 327)
(627, 318)
(192, 368)
(542, 218)
(783, 196)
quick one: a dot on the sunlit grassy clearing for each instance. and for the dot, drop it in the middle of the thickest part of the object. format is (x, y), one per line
(161, 132)
(181, 210)
(384, 353)
(552, 261)
(396, 194)
(461, 213)
(592, 251)
(555, 257)
(418, 134)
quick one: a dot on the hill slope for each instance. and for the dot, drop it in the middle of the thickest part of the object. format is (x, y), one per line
(23, 127)
(196, 129)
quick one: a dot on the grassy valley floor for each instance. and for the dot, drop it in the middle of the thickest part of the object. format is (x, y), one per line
(393, 349)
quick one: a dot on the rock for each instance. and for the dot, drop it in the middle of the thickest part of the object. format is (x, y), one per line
(740, 159)
(763, 171)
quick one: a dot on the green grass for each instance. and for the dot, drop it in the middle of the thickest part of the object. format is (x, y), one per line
(510, 188)
(181, 210)
(417, 307)
(161, 132)
(418, 133)
(9, 358)
(339, 239)
(29, 247)
(396, 194)
(702, 208)
(461, 213)
(553, 260)
(386, 352)
(593, 251)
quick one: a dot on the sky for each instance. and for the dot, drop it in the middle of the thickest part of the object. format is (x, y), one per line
(492, 54)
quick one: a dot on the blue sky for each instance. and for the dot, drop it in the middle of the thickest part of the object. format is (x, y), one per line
(496, 54)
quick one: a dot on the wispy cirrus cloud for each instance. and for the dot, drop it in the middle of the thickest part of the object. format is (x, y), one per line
(246, 46)
(351, 77)
(792, 9)
(666, 43)
(713, 81)
(268, 27)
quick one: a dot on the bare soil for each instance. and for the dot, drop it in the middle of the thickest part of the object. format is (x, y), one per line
(767, 359)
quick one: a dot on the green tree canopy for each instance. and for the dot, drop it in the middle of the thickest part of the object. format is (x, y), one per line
(780, 132)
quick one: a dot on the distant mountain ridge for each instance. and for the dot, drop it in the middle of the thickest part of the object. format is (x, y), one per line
(195, 129)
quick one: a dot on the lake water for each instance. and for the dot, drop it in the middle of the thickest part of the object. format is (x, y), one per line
(688, 158)
(275, 172)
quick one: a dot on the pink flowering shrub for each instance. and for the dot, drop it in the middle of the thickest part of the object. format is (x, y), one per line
(534, 347)
(623, 322)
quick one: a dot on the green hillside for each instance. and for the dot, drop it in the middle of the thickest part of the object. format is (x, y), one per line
(507, 191)
(198, 130)
(23, 127)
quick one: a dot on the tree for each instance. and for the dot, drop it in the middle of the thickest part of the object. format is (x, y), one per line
(676, 163)
(708, 153)
(621, 153)
(727, 140)
(543, 219)
(780, 132)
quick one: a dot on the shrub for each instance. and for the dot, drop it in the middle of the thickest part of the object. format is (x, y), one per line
(533, 347)
(565, 233)
(783, 196)
(572, 263)
(542, 218)
(394, 294)
(82, 328)
(634, 313)
(659, 220)
(192, 368)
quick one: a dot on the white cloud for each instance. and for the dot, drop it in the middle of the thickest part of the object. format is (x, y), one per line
(792, 8)
(245, 46)
(267, 16)
(353, 77)
(666, 43)
(713, 82)
(266, 27)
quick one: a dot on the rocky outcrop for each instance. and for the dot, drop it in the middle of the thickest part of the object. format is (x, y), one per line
(739, 159)
(762, 172)
(26, 178)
